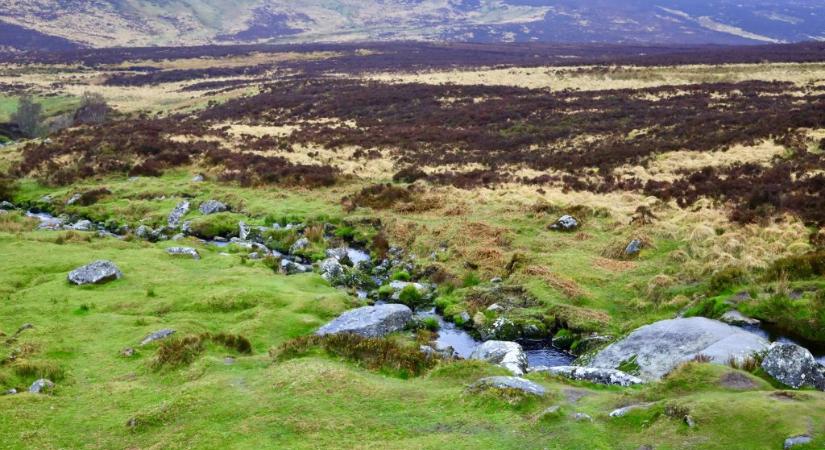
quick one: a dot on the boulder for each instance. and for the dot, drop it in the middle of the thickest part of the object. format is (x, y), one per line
(506, 354)
(565, 223)
(299, 245)
(4, 205)
(73, 199)
(212, 207)
(796, 440)
(621, 412)
(41, 386)
(526, 386)
(177, 214)
(611, 377)
(659, 347)
(582, 417)
(144, 232)
(331, 270)
(793, 366)
(97, 272)
(157, 335)
(735, 317)
(198, 178)
(184, 251)
(370, 321)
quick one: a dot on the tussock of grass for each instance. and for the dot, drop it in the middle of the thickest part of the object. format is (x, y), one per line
(373, 353)
(183, 351)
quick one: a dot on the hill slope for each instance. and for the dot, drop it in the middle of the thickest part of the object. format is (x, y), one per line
(105, 23)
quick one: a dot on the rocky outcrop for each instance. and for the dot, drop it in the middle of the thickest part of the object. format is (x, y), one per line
(212, 207)
(188, 252)
(565, 223)
(177, 214)
(793, 366)
(157, 335)
(506, 354)
(97, 272)
(520, 384)
(370, 321)
(611, 377)
(659, 347)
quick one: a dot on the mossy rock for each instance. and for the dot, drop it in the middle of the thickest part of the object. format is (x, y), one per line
(221, 224)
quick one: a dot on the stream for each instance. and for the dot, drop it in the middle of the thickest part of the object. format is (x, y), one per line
(539, 352)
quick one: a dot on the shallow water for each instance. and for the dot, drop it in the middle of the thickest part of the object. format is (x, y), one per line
(764, 330)
(542, 353)
(449, 335)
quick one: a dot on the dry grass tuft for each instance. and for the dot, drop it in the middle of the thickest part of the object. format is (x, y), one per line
(569, 287)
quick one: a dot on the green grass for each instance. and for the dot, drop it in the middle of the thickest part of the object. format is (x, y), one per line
(313, 399)
(52, 105)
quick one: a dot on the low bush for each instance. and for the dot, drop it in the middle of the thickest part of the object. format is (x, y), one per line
(797, 267)
(411, 297)
(726, 278)
(372, 353)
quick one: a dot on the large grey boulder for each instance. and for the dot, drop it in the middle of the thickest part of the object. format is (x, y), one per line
(591, 374)
(659, 347)
(506, 354)
(177, 214)
(97, 272)
(793, 366)
(211, 207)
(370, 321)
(188, 252)
(526, 386)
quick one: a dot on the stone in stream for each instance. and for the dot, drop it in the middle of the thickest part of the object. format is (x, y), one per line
(41, 386)
(184, 251)
(370, 321)
(659, 347)
(506, 354)
(98, 272)
(526, 386)
(797, 440)
(157, 335)
(212, 207)
(565, 223)
(611, 377)
(735, 317)
(83, 225)
(292, 268)
(793, 366)
(177, 214)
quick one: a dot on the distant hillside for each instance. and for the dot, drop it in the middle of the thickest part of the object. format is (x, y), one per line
(106, 23)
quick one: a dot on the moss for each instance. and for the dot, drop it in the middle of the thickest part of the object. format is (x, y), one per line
(630, 366)
(401, 275)
(223, 224)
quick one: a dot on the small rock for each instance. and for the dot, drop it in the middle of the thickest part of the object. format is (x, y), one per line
(292, 268)
(157, 335)
(6, 206)
(582, 417)
(594, 375)
(144, 232)
(690, 422)
(177, 214)
(41, 386)
(735, 317)
(184, 251)
(464, 316)
(127, 352)
(46, 199)
(565, 223)
(179, 237)
(198, 178)
(495, 307)
(550, 411)
(229, 360)
(506, 354)
(132, 422)
(331, 270)
(621, 412)
(11, 391)
(496, 280)
(526, 386)
(370, 321)
(243, 231)
(73, 199)
(797, 440)
(212, 207)
(633, 248)
(98, 272)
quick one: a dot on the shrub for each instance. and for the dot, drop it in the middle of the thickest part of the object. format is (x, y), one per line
(8, 186)
(93, 109)
(411, 297)
(28, 116)
(726, 278)
(380, 196)
(221, 224)
(401, 275)
(797, 267)
(373, 353)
